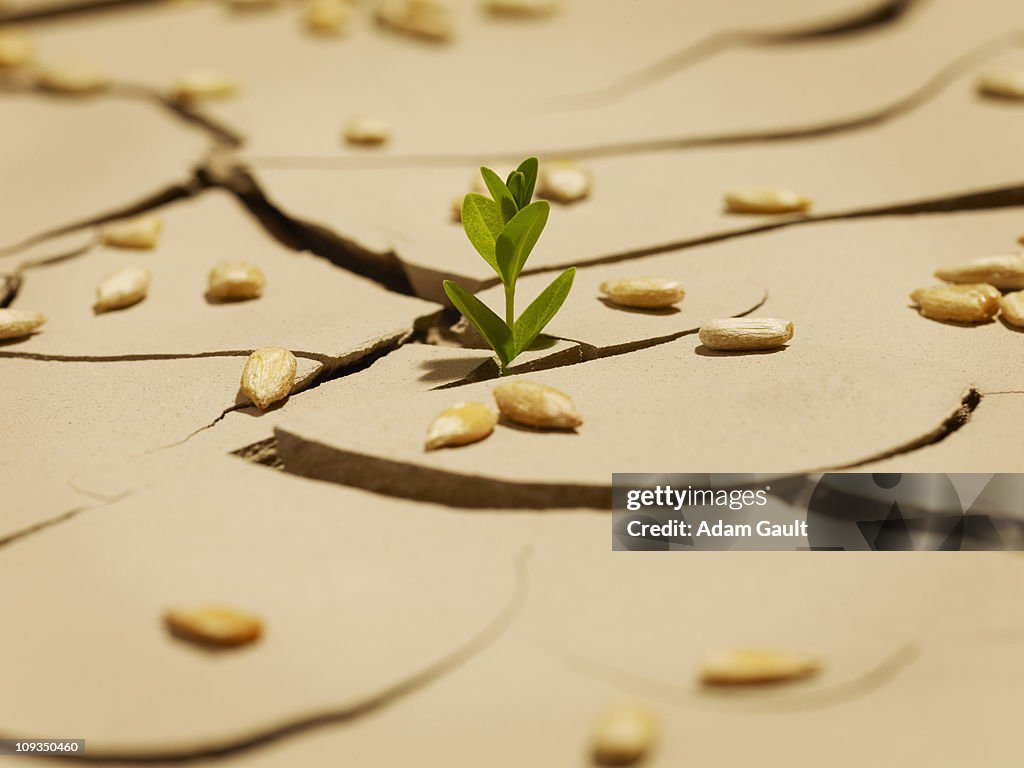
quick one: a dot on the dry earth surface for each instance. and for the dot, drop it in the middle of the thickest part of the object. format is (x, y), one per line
(463, 606)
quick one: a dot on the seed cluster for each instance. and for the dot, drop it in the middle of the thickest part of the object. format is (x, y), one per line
(973, 292)
(527, 403)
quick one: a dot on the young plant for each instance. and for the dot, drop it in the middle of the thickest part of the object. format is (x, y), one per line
(504, 229)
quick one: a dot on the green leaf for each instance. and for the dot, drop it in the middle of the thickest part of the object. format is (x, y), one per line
(500, 193)
(528, 168)
(516, 241)
(491, 327)
(483, 224)
(516, 184)
(541, 310)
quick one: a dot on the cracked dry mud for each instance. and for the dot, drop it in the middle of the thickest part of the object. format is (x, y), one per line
(462, 607)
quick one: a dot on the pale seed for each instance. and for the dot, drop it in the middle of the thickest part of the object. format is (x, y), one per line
(236, 281)
(536, 405)
(746, 333)
(643, 292)
(16, 48)
(327, 17)
(563, 182)
(1003, 272)
(123, 288)
(625, 734)
(202, 85)
(461, 424)
(15, 323)
(214, 625)
(757, 666)
(972, 303)
(523, 8)
(140, 232)
(1012, 306)
(367, 130)
(73, 79)
(268, 376)
(1002, 83)
(428, 19)
(765, 200)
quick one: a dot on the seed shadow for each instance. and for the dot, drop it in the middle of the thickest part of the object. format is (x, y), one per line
(1010, 326)
(244, 405)
(203, 645)
(217, 300)
(98, 312)
(954, 323)
(706, 352)
(19, 340)
(638, 310)
(503, 421)
(787, 217)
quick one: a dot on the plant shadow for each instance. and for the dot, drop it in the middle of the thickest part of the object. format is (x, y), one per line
(453, 368)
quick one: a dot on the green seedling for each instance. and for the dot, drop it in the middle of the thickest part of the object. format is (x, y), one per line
(504, 228)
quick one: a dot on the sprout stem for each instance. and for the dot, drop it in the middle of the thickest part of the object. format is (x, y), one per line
(510, 306)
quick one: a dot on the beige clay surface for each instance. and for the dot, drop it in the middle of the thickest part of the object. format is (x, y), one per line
(463, 607)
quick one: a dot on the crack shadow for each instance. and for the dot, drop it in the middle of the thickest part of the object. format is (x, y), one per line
(952, 423)
(398, 479)
(383, 268)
